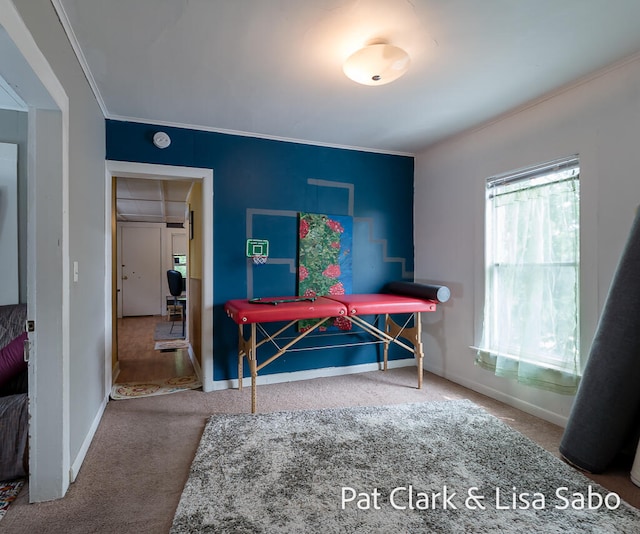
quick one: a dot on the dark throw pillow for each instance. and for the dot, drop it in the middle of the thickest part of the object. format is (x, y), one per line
(11, 359)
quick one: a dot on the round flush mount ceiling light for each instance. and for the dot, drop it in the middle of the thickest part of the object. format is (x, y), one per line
(161, 139)
(377, 64)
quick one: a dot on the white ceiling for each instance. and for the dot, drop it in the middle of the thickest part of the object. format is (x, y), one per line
(274, 67)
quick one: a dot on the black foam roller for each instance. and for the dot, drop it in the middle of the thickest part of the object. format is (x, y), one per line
(421, 291)
(608, 397)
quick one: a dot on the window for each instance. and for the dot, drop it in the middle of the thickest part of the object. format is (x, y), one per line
(532, 271)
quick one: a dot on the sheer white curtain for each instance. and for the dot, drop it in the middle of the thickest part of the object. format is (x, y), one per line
(531, 312)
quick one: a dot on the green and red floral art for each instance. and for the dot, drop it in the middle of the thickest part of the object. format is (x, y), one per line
(324, 260)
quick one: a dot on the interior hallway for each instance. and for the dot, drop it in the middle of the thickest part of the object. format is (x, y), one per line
(138, 360)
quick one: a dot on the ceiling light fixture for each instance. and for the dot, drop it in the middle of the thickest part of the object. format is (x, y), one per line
(376, 64)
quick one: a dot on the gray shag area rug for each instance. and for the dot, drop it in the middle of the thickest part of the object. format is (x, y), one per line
(428, 467)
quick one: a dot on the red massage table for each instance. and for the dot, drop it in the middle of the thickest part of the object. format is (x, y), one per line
(354, 308)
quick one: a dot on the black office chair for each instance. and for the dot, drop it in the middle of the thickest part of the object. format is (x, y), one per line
(175, 288)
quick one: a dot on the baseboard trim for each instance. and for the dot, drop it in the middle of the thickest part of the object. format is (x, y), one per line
(194, 362)
(498, 395)
(323, 372)
(82, 453)
(115, 373)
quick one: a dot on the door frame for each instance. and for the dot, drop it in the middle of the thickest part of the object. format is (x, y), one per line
(50, 469)
(127, 169)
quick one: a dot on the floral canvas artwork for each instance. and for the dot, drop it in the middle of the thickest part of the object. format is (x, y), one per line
(324, 260)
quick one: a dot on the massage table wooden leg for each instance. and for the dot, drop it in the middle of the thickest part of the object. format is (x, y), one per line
(250, 347)
(252, 357)
(240, 357)
(247, 347)
(386, 342)
(417, 343)
(413, 335)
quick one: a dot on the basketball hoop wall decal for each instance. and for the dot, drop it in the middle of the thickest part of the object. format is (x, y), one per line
(258, 251)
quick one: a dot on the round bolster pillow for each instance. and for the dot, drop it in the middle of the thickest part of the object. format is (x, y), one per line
(420, 291)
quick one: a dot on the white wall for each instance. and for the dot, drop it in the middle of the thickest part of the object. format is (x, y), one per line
(86, 152)
(599, 119)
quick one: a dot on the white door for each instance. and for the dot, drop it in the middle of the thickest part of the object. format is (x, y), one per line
(141, 270)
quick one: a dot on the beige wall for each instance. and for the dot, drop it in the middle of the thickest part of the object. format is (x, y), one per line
(599, 119)
(195, 244)
(195, 271)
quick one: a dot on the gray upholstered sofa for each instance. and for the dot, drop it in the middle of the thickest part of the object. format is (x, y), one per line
(13, 393)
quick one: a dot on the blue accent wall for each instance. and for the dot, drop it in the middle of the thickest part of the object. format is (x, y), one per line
(262, 184)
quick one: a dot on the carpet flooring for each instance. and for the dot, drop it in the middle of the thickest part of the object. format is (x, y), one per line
(422, 467)
(138, 462)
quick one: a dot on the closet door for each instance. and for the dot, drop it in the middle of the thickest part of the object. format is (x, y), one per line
(141, 271)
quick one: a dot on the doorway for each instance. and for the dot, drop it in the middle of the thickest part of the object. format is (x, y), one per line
(201, 292)
(153, 333)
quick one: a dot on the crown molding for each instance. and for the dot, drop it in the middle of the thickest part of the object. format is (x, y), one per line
(240, 133)
(64, 20)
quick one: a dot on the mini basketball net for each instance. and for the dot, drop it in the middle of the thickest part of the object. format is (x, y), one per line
(258, 251)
